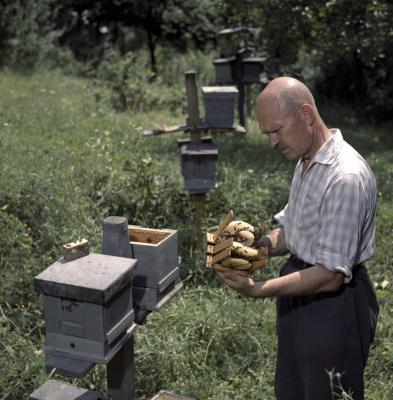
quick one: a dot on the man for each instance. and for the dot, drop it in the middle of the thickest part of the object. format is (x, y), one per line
(326, 305)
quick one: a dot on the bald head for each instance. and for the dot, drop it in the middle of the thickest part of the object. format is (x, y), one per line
(287, 114)
(286, 93)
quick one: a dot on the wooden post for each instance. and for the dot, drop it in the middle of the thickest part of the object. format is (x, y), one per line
(120, 373)
(199, 201)
(193, 119)
(248, 100)
(238, 75)
(242, 113)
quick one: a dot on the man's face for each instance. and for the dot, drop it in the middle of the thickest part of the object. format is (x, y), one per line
(286, 130)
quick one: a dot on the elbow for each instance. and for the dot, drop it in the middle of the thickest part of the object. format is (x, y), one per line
(331, 281)
(335, 283)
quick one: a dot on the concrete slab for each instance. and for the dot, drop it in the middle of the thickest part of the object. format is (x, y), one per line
(54, 390)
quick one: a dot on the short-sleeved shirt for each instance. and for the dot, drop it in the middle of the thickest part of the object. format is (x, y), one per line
(330, 215)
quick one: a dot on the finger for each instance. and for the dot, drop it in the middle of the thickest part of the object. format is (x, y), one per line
(227, 278)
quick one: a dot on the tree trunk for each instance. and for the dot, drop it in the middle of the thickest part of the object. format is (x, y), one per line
(152, 49)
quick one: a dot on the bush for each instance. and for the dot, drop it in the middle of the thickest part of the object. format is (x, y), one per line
(29, 34)
(133, 88)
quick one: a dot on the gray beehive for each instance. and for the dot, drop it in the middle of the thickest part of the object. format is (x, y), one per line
(198, 166)
(219, 105)
(87, 305)
(157, 269)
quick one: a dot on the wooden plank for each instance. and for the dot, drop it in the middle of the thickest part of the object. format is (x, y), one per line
(218, 257)
(162, 129)
(211, 249)
(210, 238)
(223, 225)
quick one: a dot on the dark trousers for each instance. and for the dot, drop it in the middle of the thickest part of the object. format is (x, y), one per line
(322, 333)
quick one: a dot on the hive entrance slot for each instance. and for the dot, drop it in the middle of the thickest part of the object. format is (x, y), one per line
(146, 235)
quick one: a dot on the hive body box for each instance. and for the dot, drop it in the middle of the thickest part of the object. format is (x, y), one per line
(252, 69)
(219, 105)
(157, 270)
(223, 70)
(198, 166)
(88, 306)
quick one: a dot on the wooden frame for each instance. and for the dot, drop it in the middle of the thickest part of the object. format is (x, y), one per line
(212, 237)
(146, 235)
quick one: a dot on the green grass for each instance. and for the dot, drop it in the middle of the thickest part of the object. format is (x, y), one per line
(68, 161)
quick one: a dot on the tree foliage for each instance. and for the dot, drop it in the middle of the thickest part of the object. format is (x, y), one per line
(347, 43)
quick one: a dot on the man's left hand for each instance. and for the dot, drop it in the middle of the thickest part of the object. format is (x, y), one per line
(241, 284)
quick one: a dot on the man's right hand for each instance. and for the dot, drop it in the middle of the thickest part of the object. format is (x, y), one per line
(274, 241)
(264, 241)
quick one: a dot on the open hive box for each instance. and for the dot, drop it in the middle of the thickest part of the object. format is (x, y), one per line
(164, 395)
(221, 248)
(157, 269)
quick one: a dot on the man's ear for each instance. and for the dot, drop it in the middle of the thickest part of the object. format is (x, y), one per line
(308, 114)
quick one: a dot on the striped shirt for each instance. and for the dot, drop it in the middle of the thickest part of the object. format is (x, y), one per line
(330, 216)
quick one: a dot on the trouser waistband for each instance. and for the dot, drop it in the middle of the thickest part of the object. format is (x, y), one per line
(300, 264)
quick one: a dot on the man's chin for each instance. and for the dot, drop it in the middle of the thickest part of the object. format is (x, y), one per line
(288, 154)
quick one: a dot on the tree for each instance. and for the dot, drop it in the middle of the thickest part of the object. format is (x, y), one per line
(175, 23)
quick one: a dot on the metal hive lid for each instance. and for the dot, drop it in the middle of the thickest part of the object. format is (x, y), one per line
(95, 278)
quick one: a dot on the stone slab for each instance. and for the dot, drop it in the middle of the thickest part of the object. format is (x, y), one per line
(55, 390)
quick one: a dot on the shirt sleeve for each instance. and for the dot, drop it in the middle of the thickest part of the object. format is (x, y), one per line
(280, 217)
(341, 217)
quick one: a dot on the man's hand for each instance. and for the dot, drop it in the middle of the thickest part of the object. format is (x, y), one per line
(264, 241)
(274, 241)
(241, 284)
(316, 279)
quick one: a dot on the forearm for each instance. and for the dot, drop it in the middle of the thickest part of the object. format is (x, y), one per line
(316, 279)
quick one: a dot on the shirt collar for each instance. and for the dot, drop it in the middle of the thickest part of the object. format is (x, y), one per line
(328, 151)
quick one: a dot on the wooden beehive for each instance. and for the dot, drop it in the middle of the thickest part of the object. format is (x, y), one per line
(219, 105)
(223, 70)
(88, 305)
(198, 166)
(252, 67)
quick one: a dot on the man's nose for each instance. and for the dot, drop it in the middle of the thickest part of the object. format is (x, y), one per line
(273, 140)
